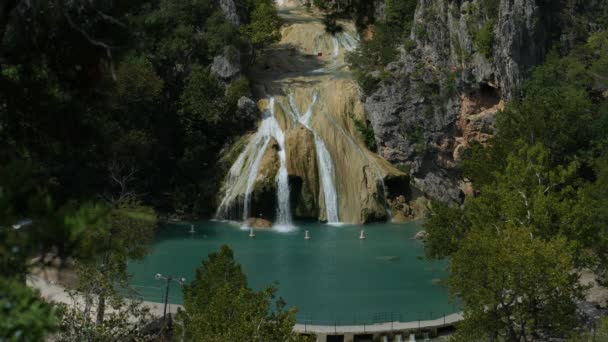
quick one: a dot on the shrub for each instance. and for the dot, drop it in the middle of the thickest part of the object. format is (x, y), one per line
(367, 133)
(484, 39)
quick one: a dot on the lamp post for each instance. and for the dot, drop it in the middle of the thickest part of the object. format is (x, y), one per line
(168, 281)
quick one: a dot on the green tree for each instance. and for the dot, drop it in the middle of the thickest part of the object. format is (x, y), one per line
(514, 287)
(125, 234)
(264, 26)
(219, 306)
(599, 334)
(24, 316)
(58, 229)
(126, 319)
(529, 192)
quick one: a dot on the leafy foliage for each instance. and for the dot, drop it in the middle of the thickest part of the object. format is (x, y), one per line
(537, 191)
(219, 306)
(597, 335)
(89, 86)
(381, 49)
(265, 23)
(513, 285)
(366, 132)
(24, 316)
(484, 39)
(126, 318)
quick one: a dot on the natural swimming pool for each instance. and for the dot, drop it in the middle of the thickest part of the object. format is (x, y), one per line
(333, 278)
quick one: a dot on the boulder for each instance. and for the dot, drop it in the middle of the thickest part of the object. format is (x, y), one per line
(230, 12)
(421, 235)
(256, 222)
(227, 65)
(247, 111)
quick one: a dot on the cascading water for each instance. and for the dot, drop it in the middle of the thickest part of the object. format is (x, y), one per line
(253, 153)
(336, 46)
(253, 173)
(326, 167)
(342, 162)
(347, 41)
(284, 219)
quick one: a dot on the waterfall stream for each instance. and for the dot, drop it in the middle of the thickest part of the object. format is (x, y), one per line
(253, 154)
(253, 173)
(326, 165)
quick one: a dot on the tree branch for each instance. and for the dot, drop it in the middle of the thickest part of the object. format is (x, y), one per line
(92, 41)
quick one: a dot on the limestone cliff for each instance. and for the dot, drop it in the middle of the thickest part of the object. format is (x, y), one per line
(464, 61)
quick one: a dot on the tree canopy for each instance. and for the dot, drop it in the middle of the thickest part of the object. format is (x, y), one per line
(219, 306)
(539, 205)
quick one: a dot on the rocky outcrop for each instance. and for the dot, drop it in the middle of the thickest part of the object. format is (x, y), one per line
(443, 94)
(247, 111)
(256, 222)
(229, 9)
(227, 65)
(521, 41)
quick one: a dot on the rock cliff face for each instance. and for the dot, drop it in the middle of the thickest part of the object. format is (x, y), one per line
(443, 93)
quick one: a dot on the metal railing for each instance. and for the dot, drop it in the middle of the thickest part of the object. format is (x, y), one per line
(375, 318)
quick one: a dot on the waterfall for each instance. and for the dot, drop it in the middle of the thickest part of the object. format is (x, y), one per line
(253, 173)
(284, 219)
(379, 179)
(348, 42)
(231, 181)
(336, 46)
(326, 166)
(241, 182)
(249, 161)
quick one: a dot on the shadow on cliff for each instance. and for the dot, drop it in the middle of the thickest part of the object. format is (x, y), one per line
(284, 63)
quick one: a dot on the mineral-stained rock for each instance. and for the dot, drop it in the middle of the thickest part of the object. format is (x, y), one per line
(259, 223)
(264, 195)
(303, 172)
(400, 209)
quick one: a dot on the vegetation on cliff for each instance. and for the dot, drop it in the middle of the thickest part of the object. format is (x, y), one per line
(109, 112)
(540, 184)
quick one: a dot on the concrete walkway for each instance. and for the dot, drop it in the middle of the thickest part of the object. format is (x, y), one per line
(446, 321)
(55, 293)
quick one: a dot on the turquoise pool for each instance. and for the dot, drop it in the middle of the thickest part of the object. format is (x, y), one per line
(333, 278)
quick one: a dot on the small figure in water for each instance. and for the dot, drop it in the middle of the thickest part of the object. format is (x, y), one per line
(192, 229)
(251, 233)
(307, 235)
(362, 236)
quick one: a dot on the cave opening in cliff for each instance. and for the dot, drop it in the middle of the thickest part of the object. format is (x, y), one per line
(489, 96)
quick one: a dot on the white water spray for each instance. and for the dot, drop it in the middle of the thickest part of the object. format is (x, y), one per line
(253, 173)
(249, 161)
(284, 219)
